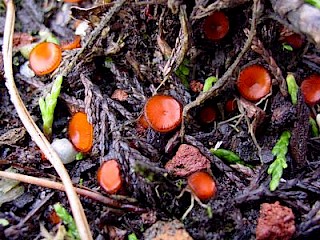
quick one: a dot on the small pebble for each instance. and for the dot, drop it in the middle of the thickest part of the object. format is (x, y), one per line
(65, 150)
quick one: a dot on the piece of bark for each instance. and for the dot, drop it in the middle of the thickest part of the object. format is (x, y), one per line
(302, 16)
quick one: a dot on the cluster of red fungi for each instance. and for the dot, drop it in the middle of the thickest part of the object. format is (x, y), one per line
(163, 113)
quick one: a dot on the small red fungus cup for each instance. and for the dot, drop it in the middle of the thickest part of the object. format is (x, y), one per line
(163, 113)
(81, 132)
(45, 58)
(216, 26)
(75, 43)
(207, 114)
(310, 89)
(231, 105)
(109, 176)
(254, 82)
(295, 40)
(202, 185)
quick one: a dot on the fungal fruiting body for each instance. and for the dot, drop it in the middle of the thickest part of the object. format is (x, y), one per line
(75, 43)
(216, 26)
(202, 185)
(207, 114)
(45, 58)
(81, 132)
(163, 113)
(310, 89)
(109, 176)
(254, 82)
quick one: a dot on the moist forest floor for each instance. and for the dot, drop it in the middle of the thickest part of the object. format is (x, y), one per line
(159, 47)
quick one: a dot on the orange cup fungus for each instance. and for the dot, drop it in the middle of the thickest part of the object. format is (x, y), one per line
(207, 114)
(75, 43)
(295, 40)
(45, 58)
(310, 89)
(231, 105)
(202, 185)
(109, 176)
(254, 82)
(216, 26)
(163, 113)
(81, 132)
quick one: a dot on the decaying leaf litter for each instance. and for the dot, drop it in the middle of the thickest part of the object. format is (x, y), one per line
(139, 48)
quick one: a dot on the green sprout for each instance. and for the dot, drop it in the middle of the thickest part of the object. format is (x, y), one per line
(276, 168)
(208, 83)
(292, 88)
(183, 72)
(314, 127)
(48, 104)
(68, 221)
(80, 156)
(227, 155)
(315, 3)
(132, 236)
(287, 47)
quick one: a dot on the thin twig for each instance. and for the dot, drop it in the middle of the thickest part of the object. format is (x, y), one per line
(58, 186)
(33, 129)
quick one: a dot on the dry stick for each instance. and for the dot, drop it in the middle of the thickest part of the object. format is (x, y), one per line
(223, 80)
(34, 131)
(58, 186)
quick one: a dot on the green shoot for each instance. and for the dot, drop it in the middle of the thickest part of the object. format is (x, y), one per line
(80, 156)
(314, 127)
(48, 104)
(4, 222)
(292, 88)
(183, 72)
(276, 168)
(315, 3)
(68, 221)
(227, 155)
(132, 236)
(287, 47)
(208, 83)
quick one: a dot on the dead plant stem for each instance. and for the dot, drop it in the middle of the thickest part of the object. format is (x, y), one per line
(33, 129)
(42, 182)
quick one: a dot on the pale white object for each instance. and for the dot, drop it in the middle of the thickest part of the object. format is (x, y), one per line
(318, 120)
(65, 150)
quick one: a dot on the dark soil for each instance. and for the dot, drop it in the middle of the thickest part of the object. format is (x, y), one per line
(125, 55)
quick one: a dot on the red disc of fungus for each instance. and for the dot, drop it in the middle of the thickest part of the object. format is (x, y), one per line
(45, 58)
(207, 114)
(81, 132)
(231, 105)
(216, 26)
(254, 82)
(295, 40)
(202, 185)
(310, 89)
(75, 43)
(109, 176)
(163, 113)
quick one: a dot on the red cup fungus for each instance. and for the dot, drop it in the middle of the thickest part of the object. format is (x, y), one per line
(202, 185)
(75, 43)
(310, 89)
(163, 113)
(45, 58)
(231, 105)
(207, 114)
(81, 132)
(216, 26)
(295, 40)
(109, 176)
(254, 82)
